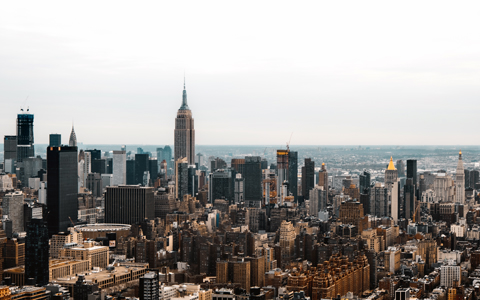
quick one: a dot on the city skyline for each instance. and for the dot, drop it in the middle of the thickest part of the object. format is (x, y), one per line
(330, 74)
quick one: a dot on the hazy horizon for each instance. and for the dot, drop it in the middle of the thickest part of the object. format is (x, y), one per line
(334, 73)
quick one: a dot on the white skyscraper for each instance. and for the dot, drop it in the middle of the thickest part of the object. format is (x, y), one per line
(460, 181)
(87, 166)
(119, 168)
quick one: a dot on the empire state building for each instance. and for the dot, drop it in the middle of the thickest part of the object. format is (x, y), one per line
(184, 132)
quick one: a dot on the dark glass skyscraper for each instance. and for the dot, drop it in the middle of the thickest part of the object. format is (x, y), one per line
(364, 182)
(252, 172)
(181, 178)
(96, 154)
(55, 140)
(222, 185)
(130, 165)
(293, 174)
(308, 177)
(10, 147)
(62, 189)
(25, 143)
(167, 156)
(37, 252)
(142, 164)
(412, 170)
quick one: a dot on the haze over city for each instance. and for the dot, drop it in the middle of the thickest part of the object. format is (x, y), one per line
(334, 73)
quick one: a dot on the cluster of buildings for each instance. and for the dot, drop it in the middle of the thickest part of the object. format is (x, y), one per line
(87, 224)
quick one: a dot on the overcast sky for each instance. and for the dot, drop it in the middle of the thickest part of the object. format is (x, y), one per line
(331, 72)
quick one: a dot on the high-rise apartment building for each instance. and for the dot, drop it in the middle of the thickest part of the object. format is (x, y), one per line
(25, 140)
(379, 201)
(460, 181)
(308, 177)
(12, 206)
(119, 168)
(323, 177)
(318, 200)
(62, 188)
(129, 204)
(184, 132)
(241, 274)
(239, 189)
(450, 275)
(287, 241)
(149, 286)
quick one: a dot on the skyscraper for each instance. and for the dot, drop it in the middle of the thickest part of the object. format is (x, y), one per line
(184, 132)
(73, 139)
(10, 147)
(412, 170)
(323, 177)
(129, 204)
(149, 286)
(37, 252)
(287, 172)
(181, 178)
(293, 174)
(55, 140)
(252, 172)
(12, 206)
(460, 181)
(364, 182)
(222, 185)
(142, 164)
(391, 173)
(392, 185)
(62, 188)
(25, 143)
(167, 156)
(308, 177)
(119, 168)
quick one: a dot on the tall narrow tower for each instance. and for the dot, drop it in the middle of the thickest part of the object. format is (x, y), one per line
(25, 144)
(73, 139)
(460, 181)
(184, 132)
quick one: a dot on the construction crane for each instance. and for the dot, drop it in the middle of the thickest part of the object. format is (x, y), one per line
(71, 221)
(288, 143)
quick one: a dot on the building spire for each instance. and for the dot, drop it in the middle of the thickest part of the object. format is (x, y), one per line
(391, 166)
(73, 138)
(184, 97)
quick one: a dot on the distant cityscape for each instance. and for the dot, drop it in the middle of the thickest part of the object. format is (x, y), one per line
(199, 222)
